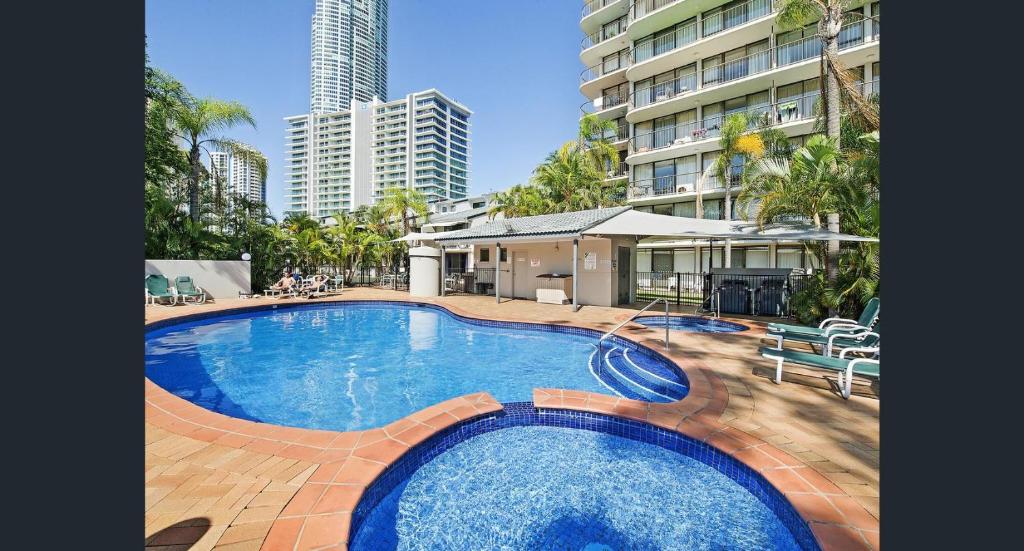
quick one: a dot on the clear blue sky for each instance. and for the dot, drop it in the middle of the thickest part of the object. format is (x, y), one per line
(515, 64)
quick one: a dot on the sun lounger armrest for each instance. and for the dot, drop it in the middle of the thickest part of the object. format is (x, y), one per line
(830, 321)
(830, 330)
(865, 349)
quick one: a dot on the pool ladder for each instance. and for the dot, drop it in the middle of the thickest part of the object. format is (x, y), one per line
(600, 342)
(715, 307)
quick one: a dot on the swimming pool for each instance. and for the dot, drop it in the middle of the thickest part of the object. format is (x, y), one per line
(358, 365)
(555, 479)
(694, 324)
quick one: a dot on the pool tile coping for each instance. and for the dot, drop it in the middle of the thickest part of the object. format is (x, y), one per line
(319, 515)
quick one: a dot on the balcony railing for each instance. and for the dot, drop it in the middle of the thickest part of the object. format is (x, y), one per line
(852, 34)
(735, 16)
(641, 8)
(607, 66)
(605, 33)
(619, 170)
(789, 110)
(675, 183)
(604, 102)
(736, 69)
(651, 47)
(593, 5)
(664, 91)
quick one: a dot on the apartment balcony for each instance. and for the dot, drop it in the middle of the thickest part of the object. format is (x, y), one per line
(619, 170)
(676, 186)
(733, 28)
(596, 13)
(604, 75)
(790, 62)
(611, 106)
(604, 42)
(793, 116)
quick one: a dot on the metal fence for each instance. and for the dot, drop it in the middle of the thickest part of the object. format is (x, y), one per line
(760, 295)
(476, 281)
(365, 277)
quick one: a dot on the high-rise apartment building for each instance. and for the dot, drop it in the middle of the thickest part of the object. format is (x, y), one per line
(238, 175)
(342, 160)
(349, 54)
(670, 71)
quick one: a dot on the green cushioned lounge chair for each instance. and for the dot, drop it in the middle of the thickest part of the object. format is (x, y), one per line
(845, 367)
(157, 289)
(831, 343)
(188, 290)
(834, 325)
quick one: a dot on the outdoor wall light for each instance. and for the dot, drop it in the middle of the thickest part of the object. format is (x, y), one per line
(246, 256)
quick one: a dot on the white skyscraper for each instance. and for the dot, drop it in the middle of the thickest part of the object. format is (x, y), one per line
(238, 175)
(342, 160)
(349, 53)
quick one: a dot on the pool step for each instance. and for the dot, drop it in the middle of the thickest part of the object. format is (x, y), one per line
(636, 376)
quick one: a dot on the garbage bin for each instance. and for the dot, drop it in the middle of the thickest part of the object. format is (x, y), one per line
(424, 272)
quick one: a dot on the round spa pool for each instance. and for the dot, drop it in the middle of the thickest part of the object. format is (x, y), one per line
(359, 365)
(526, 479)
(693, 324)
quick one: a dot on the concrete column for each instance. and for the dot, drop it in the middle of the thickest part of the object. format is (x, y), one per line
(444, 270)
(772, 249)
(832, 268)
(727, 254)
(575, 279)
(497, 274)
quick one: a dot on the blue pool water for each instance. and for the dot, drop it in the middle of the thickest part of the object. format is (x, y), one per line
(356, 366)
(546, 487)
(695, 324)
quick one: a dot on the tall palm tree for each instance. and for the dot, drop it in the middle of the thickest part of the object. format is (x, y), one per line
(835, 77)
(519, 200)
(399, 201)
(198, 123)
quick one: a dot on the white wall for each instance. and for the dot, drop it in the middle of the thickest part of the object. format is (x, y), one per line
(596, 287)
(219, 278)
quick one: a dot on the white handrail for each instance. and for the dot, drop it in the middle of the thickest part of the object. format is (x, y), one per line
(600, 342)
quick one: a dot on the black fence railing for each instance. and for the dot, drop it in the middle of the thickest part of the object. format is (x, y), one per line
(476, 281)
(760, 295)
(365, 277)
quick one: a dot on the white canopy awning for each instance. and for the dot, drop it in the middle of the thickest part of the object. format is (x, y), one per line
(443, 224)
(416, 236)
(663, 227)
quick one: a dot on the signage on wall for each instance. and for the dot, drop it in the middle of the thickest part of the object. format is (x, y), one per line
(589, 261)
(534, 262)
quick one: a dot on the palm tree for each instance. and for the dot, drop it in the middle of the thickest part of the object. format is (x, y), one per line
(835, 78)
(519, 200)
(199, 122)
(399, 201)
(593, 138)
(815, 181)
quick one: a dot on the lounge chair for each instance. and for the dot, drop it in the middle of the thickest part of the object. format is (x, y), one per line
(187, 290)
(845, 367)
(834, 325)
(312, 285)
(835, 341)
(157, 288)
(336, 284)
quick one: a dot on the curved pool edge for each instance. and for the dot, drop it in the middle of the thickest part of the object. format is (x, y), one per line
(520, 414)
(835, 518)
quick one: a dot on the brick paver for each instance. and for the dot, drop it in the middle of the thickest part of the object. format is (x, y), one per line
(217, 482)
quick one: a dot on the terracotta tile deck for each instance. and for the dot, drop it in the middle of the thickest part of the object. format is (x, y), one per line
(215, 482)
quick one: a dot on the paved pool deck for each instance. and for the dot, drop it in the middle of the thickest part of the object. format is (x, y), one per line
(214, 482)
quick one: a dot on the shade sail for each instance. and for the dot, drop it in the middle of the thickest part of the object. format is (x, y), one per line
(663, 227)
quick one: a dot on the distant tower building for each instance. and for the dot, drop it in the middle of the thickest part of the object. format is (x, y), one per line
(239, 174)
(349, 54)
(343, 160)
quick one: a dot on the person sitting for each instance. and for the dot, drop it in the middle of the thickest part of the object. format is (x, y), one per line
(284, 284)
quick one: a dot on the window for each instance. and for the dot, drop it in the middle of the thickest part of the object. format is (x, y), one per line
(504, 255)
(485, 254)
(661, 261)
(756, 257)
(686, 210)
(663, 209)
